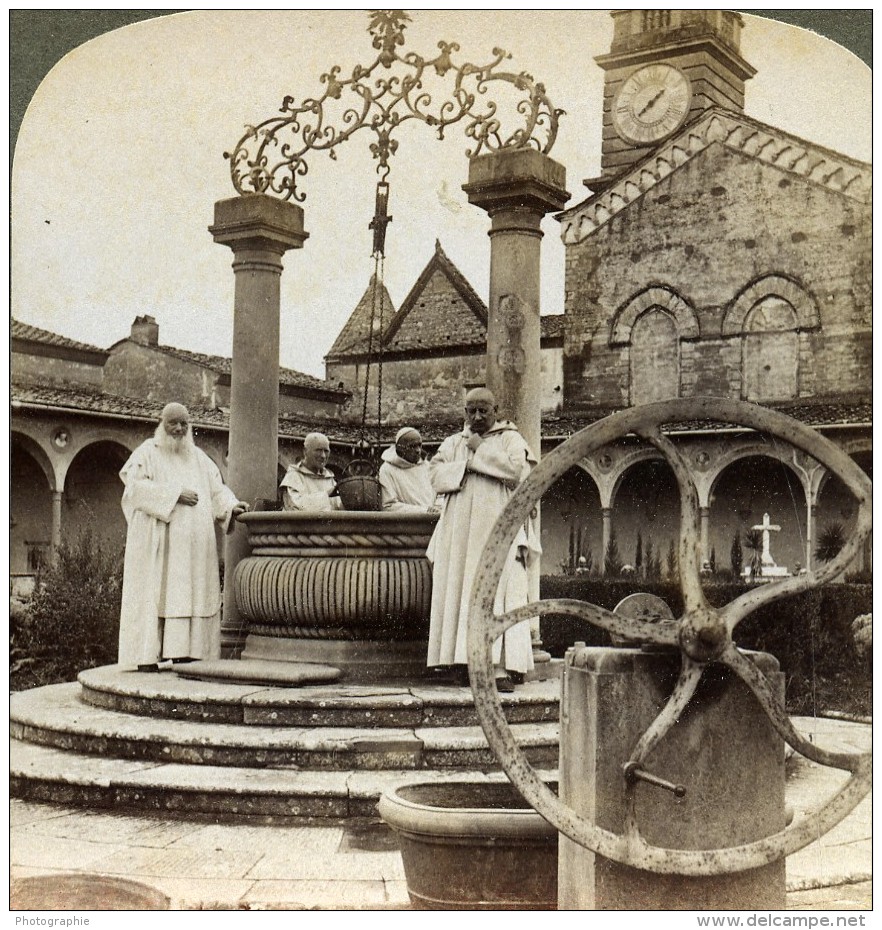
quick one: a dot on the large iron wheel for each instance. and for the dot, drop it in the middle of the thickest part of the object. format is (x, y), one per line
(703, 635)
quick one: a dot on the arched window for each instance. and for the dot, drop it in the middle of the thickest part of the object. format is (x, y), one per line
(770, 359)
(655, 361)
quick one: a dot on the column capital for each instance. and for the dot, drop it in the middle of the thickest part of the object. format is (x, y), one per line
(521, 179)
(258, 222)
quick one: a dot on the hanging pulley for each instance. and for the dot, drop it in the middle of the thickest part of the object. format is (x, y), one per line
(381, 219)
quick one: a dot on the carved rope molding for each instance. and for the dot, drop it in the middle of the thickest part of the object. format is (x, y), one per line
(340, 540)
(788, 154)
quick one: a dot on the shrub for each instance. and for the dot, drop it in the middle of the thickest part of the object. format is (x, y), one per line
(73, 615)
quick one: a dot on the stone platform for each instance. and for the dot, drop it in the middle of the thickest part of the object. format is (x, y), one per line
(154, 742)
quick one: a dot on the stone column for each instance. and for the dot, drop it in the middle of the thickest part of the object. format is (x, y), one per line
(606, 529)
(704, 513)
(516, 187)
(55, 533)
(259, 229)
(811, 514)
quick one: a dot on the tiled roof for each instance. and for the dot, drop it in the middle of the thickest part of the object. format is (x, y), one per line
(221, 365)
(19, 330)
(82, 400)
(354, 337)
(442, 311)
(816, 412)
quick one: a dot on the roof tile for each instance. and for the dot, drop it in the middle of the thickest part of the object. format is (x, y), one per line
(19, 330)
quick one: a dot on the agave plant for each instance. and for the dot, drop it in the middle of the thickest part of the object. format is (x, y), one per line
(831, 539)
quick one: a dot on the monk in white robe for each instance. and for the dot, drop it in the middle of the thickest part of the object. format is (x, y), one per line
(476, 471)
(309, 485)
(171, 596)
(404, 475)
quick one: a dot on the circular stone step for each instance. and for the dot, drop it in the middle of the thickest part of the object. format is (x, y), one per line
(55, 716)
(258, 672)
(81, 891)
(422, 704)
(42, 773)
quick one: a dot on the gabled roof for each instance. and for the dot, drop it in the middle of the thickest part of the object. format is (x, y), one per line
(355, 335)
(814, 163)
(426, 324)
(417, 326)
(28, 333)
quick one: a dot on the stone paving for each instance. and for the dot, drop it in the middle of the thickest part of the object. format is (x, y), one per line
(202, 864)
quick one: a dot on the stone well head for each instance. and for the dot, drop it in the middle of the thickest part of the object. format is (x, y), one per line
(350, 589)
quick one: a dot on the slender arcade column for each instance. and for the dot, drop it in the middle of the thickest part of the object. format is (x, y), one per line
(704, 514)
(606, 535)
(259, 229)
(517, 187)
(55, 541)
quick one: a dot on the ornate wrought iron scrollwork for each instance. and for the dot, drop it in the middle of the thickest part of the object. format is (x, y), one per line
(271, 156)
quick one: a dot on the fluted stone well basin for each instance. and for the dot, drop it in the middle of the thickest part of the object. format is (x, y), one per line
(346, 588)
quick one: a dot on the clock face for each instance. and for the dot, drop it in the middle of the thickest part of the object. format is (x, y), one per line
(651, 104)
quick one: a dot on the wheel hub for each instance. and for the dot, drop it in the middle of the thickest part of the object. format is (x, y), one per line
(703, 635)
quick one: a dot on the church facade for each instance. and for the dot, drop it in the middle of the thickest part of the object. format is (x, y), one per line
(714, 256)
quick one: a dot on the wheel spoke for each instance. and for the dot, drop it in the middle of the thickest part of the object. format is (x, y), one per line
(747, 671)
(663, 634)
(703, 635)
(690, 675)
(690, 520)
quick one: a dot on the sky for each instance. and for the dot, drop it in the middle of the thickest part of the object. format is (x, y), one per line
(119, 162)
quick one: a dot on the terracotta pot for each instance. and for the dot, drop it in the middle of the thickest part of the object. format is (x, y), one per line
(473, 846)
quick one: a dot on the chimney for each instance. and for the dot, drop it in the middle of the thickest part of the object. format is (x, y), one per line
(145, 331)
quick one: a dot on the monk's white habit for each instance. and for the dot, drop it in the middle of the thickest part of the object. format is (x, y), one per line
(306, 490)
(471, 502)
(171, 594)
(407, 487)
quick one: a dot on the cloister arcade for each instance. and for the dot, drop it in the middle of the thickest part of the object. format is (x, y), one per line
(629, 489)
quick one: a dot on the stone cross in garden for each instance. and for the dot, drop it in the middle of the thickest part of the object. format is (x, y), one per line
(767, 528)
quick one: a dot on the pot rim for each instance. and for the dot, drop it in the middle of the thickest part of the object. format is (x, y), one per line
(425, 820)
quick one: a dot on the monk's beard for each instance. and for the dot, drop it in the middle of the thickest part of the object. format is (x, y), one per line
(182, 446)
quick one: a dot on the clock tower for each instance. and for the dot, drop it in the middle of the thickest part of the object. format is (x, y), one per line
(665, 68)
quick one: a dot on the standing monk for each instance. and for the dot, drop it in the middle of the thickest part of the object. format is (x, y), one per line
(404, 475)
(476, 471)
(171, 595)
(309, 484)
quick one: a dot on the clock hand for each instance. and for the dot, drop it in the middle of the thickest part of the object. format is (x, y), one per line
(652, 102)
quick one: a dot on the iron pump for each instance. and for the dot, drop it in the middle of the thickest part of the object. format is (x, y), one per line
(671, 787)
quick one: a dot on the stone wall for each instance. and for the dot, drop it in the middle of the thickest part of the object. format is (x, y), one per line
(53, 370)
(139, 371)
(422, 389)
(705, 234)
